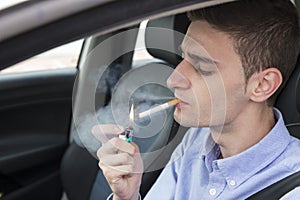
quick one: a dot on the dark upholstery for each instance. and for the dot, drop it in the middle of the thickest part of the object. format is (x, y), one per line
(288, 102)
(166, 40)
(78, 172)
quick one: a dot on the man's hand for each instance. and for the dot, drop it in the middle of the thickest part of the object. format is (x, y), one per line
(120, 162)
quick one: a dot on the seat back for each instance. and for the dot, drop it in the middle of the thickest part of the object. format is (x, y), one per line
(288, 102)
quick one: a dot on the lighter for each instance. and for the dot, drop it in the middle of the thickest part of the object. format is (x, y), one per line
(128, 132)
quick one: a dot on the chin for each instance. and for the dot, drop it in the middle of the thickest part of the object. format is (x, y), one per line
(187, 119)
(184, 120)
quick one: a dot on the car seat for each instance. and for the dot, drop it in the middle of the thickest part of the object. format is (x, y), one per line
(288, 102)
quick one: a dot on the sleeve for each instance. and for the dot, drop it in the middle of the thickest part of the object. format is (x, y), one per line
(292, 195)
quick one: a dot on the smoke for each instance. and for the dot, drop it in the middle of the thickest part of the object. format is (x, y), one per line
(127, 90)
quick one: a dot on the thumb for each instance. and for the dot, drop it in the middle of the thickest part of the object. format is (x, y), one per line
(104, 132)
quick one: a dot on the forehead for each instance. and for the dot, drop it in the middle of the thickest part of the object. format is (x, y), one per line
(203, 34)
(204, 39)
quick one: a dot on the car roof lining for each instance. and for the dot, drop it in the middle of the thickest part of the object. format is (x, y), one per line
(30, 15)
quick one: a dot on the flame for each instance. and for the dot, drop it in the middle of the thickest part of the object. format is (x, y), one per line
(131, 114)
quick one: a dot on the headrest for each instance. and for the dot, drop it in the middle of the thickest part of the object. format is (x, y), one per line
(169, 40)
(288, 100)
(297, 89)
(294, 130)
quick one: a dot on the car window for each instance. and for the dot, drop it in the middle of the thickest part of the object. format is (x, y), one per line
(141, 54)
(9, 3)
(65, 56)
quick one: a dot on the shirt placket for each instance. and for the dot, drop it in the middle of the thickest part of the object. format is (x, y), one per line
(216, 182)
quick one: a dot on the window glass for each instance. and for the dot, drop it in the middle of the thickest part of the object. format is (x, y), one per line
(140, 53)
(64, 56)
(9, 3)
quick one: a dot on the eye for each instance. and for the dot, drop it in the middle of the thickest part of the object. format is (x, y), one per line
(205, 73)
(202, 71)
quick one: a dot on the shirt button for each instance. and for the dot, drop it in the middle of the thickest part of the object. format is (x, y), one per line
(212, 191)
(232, 182)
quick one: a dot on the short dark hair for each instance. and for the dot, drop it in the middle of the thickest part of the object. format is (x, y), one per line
(265, 33)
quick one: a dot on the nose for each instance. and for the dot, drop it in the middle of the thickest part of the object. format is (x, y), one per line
(178, 77)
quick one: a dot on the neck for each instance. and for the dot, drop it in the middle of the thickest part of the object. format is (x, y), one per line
(246, 130)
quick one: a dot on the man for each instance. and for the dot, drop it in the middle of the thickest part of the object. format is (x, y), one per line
(248, 49)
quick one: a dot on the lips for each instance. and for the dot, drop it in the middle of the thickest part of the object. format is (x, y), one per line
(181, 104)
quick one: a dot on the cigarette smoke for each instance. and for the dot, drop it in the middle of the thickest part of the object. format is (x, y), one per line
(125, 91)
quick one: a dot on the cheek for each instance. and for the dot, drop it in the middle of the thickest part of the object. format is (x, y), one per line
(210, 91)
(236, 100)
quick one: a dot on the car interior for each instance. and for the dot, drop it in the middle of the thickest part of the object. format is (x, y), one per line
(70, 176)
(288, 103)
(47, 160)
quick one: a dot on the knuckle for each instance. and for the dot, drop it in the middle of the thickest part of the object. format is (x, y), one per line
(99, 153)
(114, 141)
(126, 158)
(130, 168)
(105, 173)
(101, 165)
(132, 150)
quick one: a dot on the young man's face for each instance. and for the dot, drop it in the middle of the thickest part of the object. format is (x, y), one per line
(210, 80)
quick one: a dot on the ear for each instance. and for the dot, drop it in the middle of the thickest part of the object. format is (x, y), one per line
(264, 84)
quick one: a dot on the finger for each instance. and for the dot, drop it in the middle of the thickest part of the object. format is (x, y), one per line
(136, 148)
(107, 149)
(117, 159)
(115, 146)
(138, 162)
(124, 159)
(116, 176)
(123, 146)
(104, 132)
(113, 172)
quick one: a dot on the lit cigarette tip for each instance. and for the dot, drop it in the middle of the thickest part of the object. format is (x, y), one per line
(159, 108)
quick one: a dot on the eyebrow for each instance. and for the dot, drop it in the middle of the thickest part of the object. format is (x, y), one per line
(201, 58)
(198, 58)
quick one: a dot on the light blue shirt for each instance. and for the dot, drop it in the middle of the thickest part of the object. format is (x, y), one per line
(194, 172)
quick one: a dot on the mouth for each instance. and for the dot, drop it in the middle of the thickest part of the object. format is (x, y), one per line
(181, 103)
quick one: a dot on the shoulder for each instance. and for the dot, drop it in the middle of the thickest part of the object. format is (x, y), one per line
(291, 155)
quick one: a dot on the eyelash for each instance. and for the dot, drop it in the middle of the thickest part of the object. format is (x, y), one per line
(203, 72)
(198, 69)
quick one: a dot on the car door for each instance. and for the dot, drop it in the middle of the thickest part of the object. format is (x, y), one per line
(35, 115)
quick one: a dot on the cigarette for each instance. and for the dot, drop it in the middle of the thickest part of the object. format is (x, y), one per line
(159, 108)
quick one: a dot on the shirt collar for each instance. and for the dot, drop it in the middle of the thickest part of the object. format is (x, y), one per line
(242, 166)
